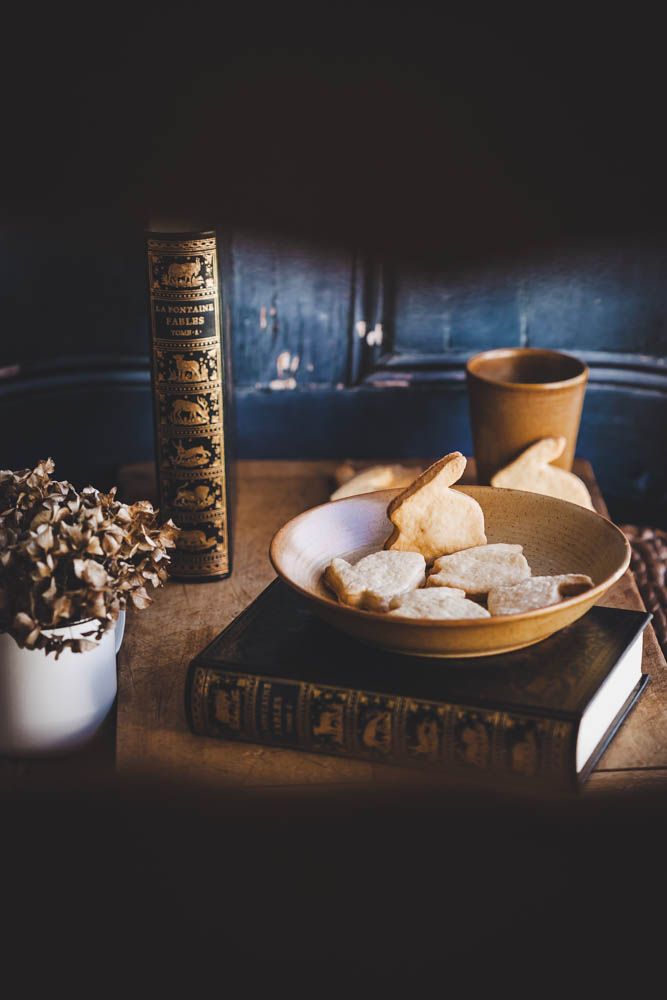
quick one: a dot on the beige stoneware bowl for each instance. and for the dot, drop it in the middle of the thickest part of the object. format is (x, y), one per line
(557, 537)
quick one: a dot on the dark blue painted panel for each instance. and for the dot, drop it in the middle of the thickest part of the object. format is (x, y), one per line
(433, 313)
(89, 424)
(356, 423)
(291, 314)
(72, 293)
(624, 434)
(68, 291)
(611, 301)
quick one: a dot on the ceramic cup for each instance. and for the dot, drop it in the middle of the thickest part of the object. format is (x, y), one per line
(51, 706)
(519, 395)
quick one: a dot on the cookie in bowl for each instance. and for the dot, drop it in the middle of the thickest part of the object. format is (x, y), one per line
(478, 569)
(437, 603)
(375, 581)
(537, 592)
(431, 518)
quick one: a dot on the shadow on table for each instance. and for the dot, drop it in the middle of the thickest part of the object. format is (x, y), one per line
(164, 882)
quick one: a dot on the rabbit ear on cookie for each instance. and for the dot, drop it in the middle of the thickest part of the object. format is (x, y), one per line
(544, 451)
(532, 472)
(431, 518)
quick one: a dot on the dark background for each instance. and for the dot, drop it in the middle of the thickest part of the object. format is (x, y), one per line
(369, 123)
(465, 182)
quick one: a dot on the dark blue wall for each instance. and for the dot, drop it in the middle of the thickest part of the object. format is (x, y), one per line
(334, 353)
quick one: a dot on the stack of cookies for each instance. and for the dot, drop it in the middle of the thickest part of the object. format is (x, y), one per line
(436, 564)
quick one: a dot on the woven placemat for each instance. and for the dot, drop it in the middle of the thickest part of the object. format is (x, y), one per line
(649, 564)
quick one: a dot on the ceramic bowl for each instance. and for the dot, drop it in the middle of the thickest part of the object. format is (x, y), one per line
(557, 537)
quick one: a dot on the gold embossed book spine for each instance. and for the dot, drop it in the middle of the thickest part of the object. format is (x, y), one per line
(189, 344)
(393, 729)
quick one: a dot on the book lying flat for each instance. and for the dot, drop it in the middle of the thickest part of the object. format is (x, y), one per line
(279, 675)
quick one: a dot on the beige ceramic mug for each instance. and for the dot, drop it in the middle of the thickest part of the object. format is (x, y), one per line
(518, 395)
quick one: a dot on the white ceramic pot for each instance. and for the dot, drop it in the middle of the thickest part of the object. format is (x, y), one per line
(49, 705)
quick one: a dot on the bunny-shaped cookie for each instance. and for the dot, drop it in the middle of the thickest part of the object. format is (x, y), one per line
(431, 518)
(532, 472)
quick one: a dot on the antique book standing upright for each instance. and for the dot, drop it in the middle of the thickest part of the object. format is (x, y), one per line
(190, 367)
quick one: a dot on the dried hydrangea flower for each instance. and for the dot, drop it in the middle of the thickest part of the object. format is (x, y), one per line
(68, 556)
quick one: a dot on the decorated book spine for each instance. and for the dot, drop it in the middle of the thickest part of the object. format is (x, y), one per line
(188, 362)
(226, 703)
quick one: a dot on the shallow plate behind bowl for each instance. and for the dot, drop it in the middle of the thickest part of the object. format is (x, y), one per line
(558, 537)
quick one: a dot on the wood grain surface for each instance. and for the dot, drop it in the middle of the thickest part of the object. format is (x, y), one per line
(152, 735)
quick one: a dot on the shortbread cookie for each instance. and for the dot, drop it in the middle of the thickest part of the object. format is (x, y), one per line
(378, 477)
(377, 579)
(431, 518)
(479, 569)
(437, 602)
(531, 472)
(344, 472)
(537, 592)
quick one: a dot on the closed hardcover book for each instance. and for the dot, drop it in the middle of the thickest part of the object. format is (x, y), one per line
(279, 675)
(191, 391)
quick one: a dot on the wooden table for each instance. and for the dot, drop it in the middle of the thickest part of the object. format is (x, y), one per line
(152, 737)
(252, 861)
